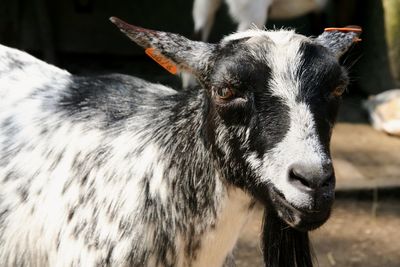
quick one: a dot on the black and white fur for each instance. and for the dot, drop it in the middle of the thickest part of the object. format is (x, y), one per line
(115, 171)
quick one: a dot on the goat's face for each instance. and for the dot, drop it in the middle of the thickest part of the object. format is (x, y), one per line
(277, 96)
(273, 99)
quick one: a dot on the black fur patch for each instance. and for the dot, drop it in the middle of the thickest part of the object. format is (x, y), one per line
(110, 99)
(284, 246)
(270, 124)
(319, 74)
(253, 109)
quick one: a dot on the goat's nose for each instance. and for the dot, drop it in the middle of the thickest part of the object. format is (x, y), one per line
(309, 177)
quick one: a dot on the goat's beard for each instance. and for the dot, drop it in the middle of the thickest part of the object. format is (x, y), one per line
(284, 246)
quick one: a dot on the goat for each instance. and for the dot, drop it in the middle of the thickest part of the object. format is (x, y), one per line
(116, 171)
(250, 12)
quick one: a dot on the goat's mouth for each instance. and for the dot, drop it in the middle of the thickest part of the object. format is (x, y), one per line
(302, 220)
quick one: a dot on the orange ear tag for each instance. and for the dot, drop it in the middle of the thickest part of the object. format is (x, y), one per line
(345, 29)
(356, 29)
(160, 59)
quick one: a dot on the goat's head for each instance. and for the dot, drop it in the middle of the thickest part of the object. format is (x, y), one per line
(273, 99)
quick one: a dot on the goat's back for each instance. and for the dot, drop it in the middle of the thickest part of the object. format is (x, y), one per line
(69, 142)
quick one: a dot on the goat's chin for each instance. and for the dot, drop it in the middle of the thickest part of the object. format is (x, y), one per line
(298, 219)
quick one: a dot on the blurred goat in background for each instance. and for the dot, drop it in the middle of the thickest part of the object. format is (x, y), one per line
(249, 12)
(246, 13)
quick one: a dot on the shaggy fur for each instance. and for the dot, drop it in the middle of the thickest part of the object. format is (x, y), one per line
(115, 171)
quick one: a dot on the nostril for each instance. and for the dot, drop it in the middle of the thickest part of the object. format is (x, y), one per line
(298, 180)
(311, 177)
(328, 182)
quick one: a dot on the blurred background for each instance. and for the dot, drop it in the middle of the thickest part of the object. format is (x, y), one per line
(364, 229)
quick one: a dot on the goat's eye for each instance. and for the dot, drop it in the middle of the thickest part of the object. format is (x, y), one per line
(338, 91)
(225, 93)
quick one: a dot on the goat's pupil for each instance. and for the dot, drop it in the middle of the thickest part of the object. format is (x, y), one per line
(225, 93)
(338, 91)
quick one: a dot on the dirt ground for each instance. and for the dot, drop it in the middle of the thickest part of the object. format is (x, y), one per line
(364, 157)
(359, 234)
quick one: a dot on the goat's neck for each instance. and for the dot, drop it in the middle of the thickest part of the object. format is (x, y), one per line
(184, 188)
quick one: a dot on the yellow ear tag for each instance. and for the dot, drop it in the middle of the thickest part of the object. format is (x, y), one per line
(160, 59)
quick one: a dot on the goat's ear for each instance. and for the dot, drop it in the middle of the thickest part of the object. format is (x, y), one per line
(339, 40)
(186, 54)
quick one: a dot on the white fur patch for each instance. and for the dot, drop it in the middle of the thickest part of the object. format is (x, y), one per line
(300, 146)
(220, 241)
(16, 66)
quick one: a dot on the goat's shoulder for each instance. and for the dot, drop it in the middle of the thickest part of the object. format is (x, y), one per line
(112, 88)
(111, 98)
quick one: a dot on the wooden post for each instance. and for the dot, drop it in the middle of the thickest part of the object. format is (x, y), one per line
(392, 29)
